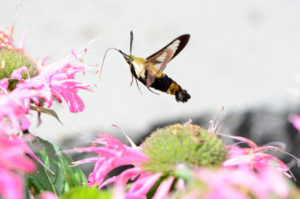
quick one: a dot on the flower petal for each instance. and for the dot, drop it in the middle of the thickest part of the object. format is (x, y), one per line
(164, 188)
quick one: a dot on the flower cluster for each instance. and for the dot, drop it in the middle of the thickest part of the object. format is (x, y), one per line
(253, 164)
(186, 161)
(238, 183)
(48, 82)
(116, 154)
(24, 85)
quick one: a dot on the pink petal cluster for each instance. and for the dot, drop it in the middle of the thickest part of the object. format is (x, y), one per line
(264, 172)
(237, 182)
(54, 81)
(57, 81)
(13, 111)
(246, 169)
(114, 154)
(6, 40)
(253, 157)
(13, 162)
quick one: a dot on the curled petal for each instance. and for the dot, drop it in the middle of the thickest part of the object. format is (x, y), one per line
(188, 122)
(17, 74)
(124, 177)
(22, 40)
(143, 184)
(164, 188)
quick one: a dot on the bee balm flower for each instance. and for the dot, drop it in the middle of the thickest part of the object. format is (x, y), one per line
(23, 81)
(155, 161)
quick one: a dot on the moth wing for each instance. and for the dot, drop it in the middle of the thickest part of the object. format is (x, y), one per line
(160, 59)
(167, 53)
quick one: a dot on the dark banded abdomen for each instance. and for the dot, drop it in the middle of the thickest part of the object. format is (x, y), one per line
(166, 84)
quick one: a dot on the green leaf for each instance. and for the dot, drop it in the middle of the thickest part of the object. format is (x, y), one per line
(64, 177)
(86, 192)
(46, 111)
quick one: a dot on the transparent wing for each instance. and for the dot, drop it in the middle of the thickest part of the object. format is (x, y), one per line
(160, 59)
(167, 53)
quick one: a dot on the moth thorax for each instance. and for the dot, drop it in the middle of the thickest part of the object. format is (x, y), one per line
(138, 66)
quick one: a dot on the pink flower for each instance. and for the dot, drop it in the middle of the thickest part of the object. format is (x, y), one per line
(236, 182)
(3, 86)
(13, 109)
(225, 181)
(57, 81)
(13, 162)
(114, 154)
(188, 122)
(222, 183)
(253, 157)
(164, 188)
(6, 40)
(295, 120)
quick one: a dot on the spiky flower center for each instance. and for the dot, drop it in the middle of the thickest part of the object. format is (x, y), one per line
(12, 59)
(191, 145)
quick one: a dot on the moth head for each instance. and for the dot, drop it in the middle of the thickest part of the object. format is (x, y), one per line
(128, 58)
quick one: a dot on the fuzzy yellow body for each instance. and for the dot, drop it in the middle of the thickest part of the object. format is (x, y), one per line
(140, 65)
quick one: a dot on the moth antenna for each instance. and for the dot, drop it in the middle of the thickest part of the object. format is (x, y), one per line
(100, 72)
(131, 41)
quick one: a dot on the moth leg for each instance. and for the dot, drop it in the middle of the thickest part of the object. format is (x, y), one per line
(152, 91)
(137, 84)
(131, 80)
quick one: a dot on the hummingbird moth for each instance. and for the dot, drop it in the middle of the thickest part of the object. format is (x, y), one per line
(149, 71)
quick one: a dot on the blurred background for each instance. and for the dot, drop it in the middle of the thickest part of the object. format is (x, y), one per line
(243, 55)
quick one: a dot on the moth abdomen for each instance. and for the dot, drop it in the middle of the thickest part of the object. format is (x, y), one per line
(182, 96)
(166, 84)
